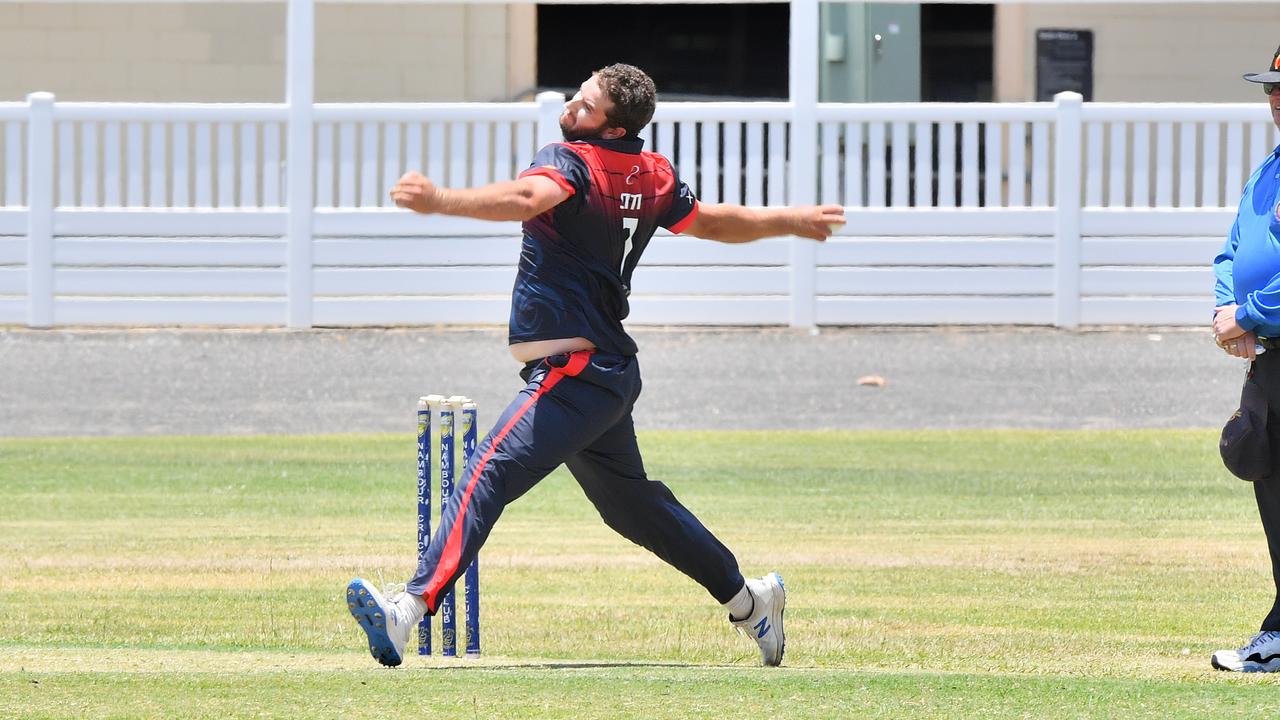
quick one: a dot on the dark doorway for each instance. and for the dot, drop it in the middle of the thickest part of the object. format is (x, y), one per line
(691, 51)
(957, 52)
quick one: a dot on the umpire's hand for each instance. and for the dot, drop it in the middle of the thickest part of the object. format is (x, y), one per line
(1229, 336)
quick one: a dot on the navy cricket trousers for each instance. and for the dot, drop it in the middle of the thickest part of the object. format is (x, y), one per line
(575, 410)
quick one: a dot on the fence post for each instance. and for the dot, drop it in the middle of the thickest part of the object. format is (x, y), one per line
(1068, 169)
(40, 184)
(550, 107)
(804, 154)
(300, 98)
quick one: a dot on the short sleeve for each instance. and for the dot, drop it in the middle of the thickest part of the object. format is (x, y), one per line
(684, 208)
(559, 163)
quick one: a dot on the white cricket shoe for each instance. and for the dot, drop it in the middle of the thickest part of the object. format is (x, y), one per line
(1261, 654)
(764, 624)
(387, 624)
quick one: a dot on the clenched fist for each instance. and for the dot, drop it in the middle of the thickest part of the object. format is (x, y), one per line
(415, 192)
(1225, 326)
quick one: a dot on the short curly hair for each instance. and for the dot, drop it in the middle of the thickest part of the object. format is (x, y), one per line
(632, 93)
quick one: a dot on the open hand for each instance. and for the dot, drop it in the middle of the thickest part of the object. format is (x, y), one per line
(415, 192)
(819, 221)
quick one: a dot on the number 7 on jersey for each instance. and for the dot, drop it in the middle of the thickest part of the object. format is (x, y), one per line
(630, 201)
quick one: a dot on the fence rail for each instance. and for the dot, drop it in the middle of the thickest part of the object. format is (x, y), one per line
(1033, 213)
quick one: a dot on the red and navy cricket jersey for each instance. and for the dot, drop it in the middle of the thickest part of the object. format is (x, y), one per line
(577, 258)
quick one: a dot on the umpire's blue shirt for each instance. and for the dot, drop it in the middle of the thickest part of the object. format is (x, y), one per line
(1248, 268)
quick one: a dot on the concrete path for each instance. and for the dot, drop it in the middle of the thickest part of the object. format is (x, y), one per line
(148, 382)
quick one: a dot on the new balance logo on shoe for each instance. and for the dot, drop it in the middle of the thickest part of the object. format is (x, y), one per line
(764, 624)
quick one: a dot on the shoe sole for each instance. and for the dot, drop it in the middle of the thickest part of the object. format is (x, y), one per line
(779, 626)
(371, 619)
(1247, 667)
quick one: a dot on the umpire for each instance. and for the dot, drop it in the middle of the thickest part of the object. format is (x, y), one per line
(1247, 322)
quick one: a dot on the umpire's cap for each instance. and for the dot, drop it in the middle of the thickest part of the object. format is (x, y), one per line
(1245, 447)
(1272, 75)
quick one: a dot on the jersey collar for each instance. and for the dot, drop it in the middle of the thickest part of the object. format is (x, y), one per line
(631, 146)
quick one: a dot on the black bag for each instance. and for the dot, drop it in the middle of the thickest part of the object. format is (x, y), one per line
(1244, 445)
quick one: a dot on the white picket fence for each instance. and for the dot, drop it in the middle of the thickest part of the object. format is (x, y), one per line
(1059, 213)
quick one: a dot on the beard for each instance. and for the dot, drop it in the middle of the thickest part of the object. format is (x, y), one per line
(570, 134)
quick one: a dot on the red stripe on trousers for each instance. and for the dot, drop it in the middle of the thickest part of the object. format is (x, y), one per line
(448, 564)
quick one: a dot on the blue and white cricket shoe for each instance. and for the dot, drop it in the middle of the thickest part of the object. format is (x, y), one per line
(1261, 654)
(387, 625)
(764, 624)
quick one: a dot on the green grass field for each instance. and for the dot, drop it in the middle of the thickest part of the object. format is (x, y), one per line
(929, 574)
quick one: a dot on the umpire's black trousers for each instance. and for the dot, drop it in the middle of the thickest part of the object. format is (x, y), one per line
(1266, 373)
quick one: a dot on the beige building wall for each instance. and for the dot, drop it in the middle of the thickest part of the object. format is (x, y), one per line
(1151, 52)
(234, 52)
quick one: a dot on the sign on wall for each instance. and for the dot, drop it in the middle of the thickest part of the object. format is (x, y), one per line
(1064, 61)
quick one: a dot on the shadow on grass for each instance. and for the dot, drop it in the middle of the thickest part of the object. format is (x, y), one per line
(574, 666)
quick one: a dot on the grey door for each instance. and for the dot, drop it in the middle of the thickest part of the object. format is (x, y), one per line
(893, 52)
(870, 52)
